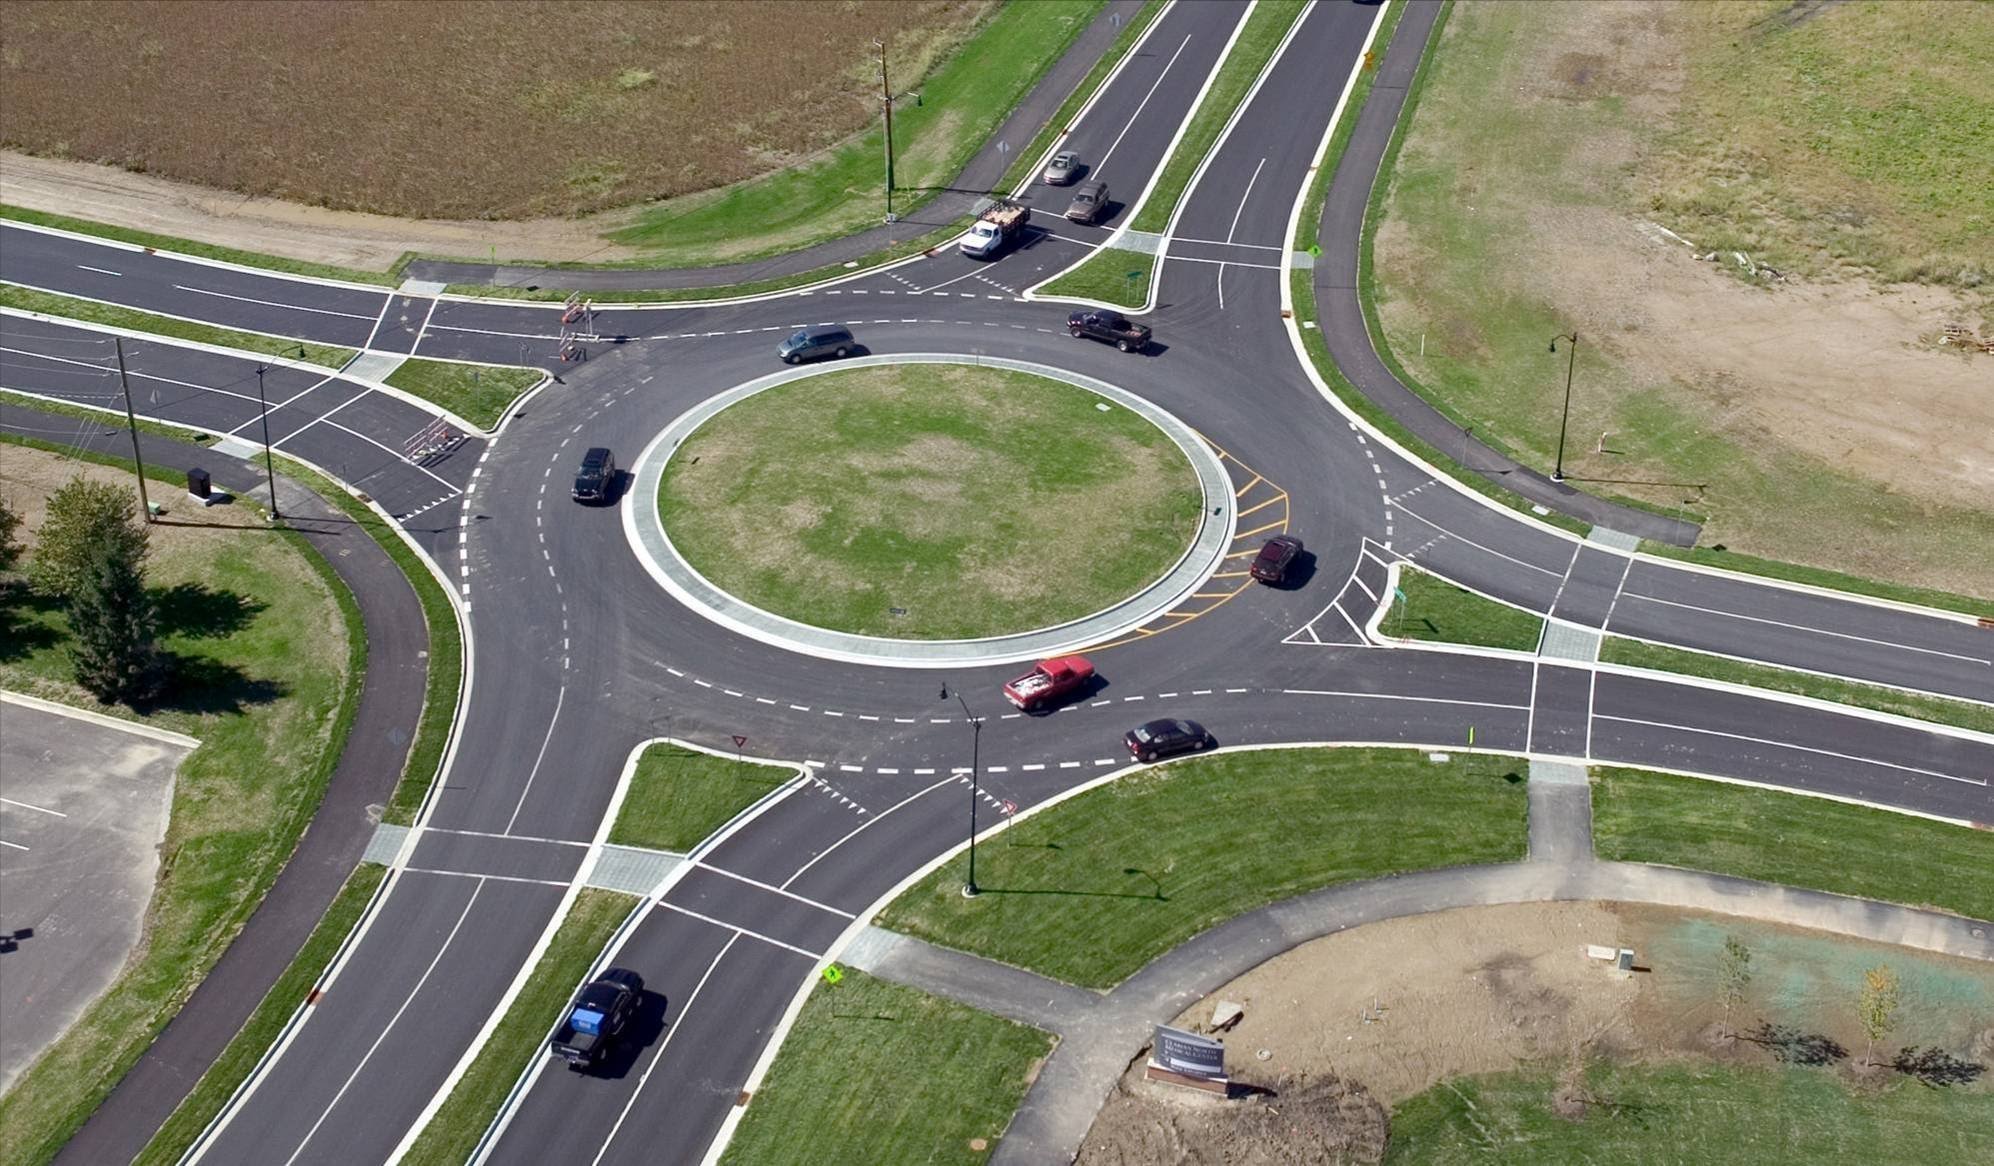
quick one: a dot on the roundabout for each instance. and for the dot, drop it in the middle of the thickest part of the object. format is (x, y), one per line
(918, 509)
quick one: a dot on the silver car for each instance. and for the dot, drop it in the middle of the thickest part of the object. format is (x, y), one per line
(1063, 169)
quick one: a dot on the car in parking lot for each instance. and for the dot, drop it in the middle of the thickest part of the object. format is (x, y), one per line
(1167, 737)
(817, 342)
(1090, 202)
(1063, 169)
(595, 481)
(1112, 327)
(1276, 557)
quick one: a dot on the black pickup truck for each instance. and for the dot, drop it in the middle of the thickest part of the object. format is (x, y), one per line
(1112, 327)
(597, 1018)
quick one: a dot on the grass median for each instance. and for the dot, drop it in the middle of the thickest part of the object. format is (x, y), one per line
(261, 1030)
(453, 1132)
(111, 315)
(1430, 608)
(479, 393)
(1094, 888)
(268, 652)
(956, 1075)
(1779, 837)
(1938, 709)
(1691, 1114)
(679, 796)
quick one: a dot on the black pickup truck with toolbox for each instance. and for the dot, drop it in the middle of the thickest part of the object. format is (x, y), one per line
(597, 1018)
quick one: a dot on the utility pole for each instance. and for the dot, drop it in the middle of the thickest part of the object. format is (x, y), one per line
(1558, 474)
(969, 889)
(145, 504)
(268, 469)
(886, 103)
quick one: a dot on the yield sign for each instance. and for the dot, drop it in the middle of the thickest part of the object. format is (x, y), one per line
(739, 740)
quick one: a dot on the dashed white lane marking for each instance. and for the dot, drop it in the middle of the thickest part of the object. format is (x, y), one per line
(851, 769)
(32, 806)
(801, 708)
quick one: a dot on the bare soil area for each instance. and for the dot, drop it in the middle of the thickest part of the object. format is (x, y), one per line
(467, 110)
(1351, 1024)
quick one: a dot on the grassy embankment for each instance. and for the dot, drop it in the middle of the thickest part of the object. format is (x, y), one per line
(1106, 275)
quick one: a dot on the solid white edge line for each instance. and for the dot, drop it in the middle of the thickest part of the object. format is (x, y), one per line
(180, 256)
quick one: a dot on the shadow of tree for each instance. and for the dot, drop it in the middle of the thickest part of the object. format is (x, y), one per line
(198, 611)
(195, 684)
(1790, 1046)
(1936, 1067)
(18, 636)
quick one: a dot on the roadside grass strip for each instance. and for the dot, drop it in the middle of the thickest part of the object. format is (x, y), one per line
(1430, 608)
(265, 1025)
(1694, 1114)
(1104, 275)
(1940, 710)
(479, 393)
(1723, 560)
(453, 1133)
(1776, 837)
(1095, 887)
(679, 796)
(269, 654)
(922, 501)
(876, 1072)
(91, 312)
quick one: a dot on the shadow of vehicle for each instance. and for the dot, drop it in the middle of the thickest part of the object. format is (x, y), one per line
(1299, 573)
(645, 1026)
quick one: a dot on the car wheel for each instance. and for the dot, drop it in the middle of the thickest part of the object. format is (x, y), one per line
(1123, 345)
(1148, 756)
(792, 359)
(1075, 331)
(840, 354)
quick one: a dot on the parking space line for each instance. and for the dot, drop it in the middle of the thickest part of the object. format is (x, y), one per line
(31, 806)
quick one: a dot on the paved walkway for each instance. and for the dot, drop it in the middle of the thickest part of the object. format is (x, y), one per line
(1100, 1034)
(377, 745)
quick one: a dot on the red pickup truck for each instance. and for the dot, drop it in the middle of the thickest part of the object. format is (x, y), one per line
(1050, 682)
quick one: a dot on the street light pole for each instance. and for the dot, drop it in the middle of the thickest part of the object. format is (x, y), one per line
(264, 404)
(145, 504)
(886, 103)
(970, 889)
(1558, 474)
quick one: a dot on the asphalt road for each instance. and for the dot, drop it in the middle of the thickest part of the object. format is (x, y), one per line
(578, 656)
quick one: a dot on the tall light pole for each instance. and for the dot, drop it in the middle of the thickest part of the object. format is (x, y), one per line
(268, 469)
(145, 504)
(886, 103)
(969, 889)
(1558, 474)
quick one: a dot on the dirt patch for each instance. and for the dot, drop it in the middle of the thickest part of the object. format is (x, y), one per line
(1389, 1009)
(1308, 1121)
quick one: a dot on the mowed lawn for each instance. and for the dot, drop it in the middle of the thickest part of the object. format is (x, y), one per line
(1094, 888)
(877, 1073)
(1692, 1115)
(1780, 837)
(267, 654)
(678, 796)
(1434, 609)
(924, 501)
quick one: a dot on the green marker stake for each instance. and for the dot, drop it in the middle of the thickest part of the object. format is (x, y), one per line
(831, 974)
(1471, 736)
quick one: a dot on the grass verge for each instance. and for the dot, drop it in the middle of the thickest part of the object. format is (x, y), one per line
(1105, 278)
(479, 393)
(1725, 560)
(1777, 837)
(921, 501)
(269, 652)
(388, 278)
(1641, 654)
(678, 796)
(1430, 608)
(958, 1075)
(1094, 888)
(453, 1133)
(1691, 1115)
(1268, 23)
(92, 312)
(239, 1059)
(840, 192)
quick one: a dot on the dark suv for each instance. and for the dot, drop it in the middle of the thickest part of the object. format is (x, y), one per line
(596, 480)
(1166, 738)
(1112, 327)
(1271, 565)
(817, 341)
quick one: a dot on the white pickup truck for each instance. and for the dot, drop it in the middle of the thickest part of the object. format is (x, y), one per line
(999, 225)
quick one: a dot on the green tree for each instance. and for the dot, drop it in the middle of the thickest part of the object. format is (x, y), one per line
(114, 626)
(82, 516)
(9, 549)
(1734, 976)
(1877, 1008)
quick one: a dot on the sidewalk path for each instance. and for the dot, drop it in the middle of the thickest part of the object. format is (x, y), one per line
(377, 746)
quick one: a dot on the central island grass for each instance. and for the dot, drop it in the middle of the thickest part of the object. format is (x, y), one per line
(461, 1120)
(926, 501)
(678, 796)
(1777, 837)
(1691, 1115)
(1434, 609)
(874, 1072)
(267, 652)
(1094, 888)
